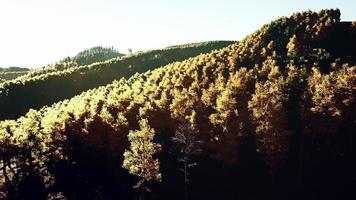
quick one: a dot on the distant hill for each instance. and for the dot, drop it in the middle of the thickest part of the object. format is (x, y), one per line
(270, 117)
(85, 57)
(66, 79)
(10, 73)
(94, 54)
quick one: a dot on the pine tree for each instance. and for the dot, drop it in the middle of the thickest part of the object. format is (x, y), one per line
(293, 46)
(268, 112)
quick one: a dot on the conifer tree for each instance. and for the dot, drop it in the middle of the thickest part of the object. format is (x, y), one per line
(139, 159)
(293, 46)
(268, 112)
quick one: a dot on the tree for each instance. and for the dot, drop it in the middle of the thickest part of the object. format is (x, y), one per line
(269, 114)
(139, 158)
(188, 146)
(330, 100)
(293, 46)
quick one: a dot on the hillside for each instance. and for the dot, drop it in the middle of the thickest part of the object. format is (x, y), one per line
(94, 54)
(85, 57)
(272, 116)
(12, 73)
(65, 80)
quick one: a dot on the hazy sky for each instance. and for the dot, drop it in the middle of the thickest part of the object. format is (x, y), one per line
(34, 33)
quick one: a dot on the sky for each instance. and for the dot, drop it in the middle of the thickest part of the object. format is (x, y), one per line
(34, 33)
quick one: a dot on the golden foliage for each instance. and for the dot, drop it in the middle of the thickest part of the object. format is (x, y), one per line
(240, 90)
(139, 158)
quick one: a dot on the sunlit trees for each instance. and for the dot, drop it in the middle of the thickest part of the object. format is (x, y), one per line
(330, 100)
(268, 112)
(257, 90)
(64, 80)
(293, 47)
(94, 54)
(139, 159)
(12, 73)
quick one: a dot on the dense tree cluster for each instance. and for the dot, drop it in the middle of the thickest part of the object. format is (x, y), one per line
(94, 54)
(85, 57)
(268, 102)
(66, 79)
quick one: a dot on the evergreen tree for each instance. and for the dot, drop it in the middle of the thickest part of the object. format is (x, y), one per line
(139, 159)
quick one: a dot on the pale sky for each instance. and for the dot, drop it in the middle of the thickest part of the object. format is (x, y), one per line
(34, 33)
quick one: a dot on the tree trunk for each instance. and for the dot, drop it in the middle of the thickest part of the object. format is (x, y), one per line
(185, 181)
(7, 180)
(301, 160)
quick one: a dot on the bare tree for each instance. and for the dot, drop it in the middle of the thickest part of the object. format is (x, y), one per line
(187, 146)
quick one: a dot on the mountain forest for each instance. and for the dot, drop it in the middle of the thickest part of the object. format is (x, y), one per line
(272, 116)
(10, 73)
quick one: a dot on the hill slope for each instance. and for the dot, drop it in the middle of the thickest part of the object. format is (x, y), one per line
(65, 80)
(85, 57)
(275, 112)
(12, 73)
(94, 54)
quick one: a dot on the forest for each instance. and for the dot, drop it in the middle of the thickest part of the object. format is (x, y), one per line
(272, 116)
(10, 73)
(40, 87)
(85, 57)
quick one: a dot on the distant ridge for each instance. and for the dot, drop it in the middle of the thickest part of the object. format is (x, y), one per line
(66, 79)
